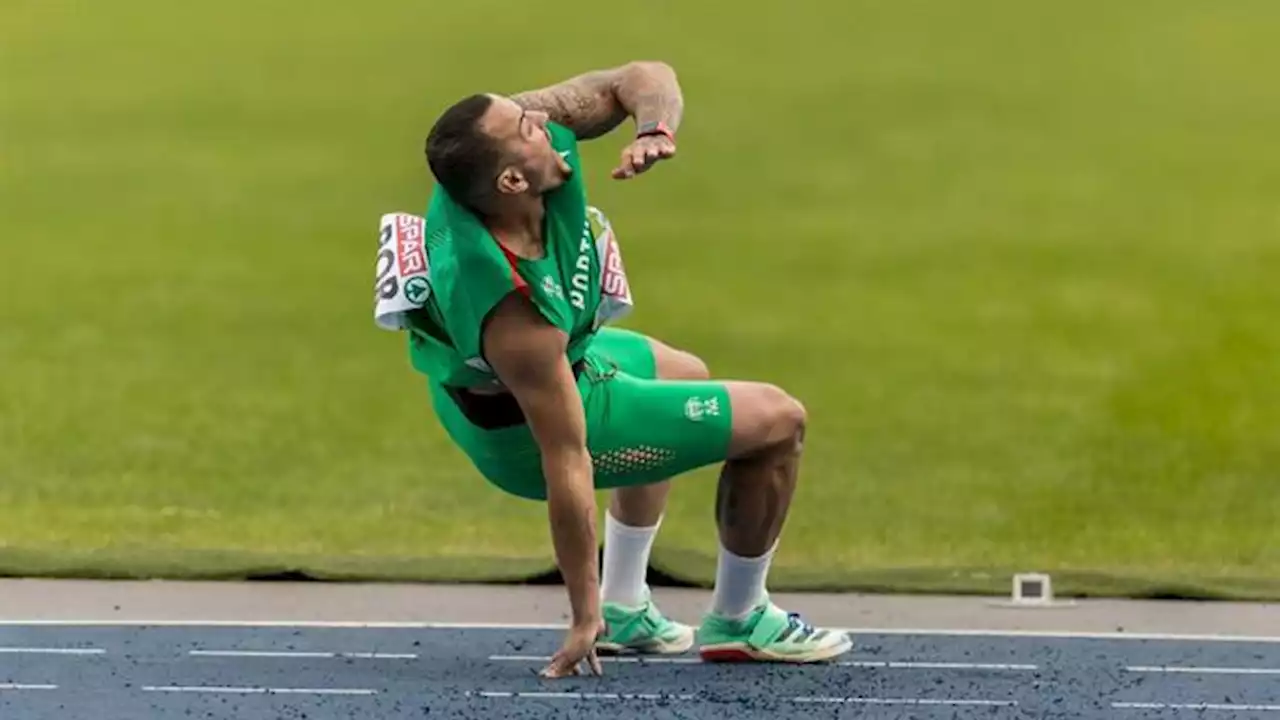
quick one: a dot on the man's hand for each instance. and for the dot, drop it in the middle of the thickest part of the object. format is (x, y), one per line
(642, 154)
(579, 646)
(528, 355)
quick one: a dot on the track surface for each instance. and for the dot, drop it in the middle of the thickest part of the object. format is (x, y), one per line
(121, 667)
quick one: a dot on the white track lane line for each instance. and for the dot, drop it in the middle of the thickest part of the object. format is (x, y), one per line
(1193, 670)
(301, 654)
(21, 686)
(1226, 707)
(878, 664)
(894, 665)
(255, 690)
(50, 651)
(947, 702)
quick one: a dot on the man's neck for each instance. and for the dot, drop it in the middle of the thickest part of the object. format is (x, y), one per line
(518, 226)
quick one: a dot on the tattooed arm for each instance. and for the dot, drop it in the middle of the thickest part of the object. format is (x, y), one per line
(528, 355)
(596, 102)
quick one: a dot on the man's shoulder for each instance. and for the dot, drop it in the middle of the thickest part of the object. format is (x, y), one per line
(443, 212)
(460, 248)
(449, 222)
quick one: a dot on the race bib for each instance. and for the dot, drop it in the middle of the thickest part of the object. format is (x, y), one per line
(400, 270)
(615, 292)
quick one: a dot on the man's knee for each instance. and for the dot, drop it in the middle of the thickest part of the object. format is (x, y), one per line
(680, 365)
(767, 419)
(693, 368)
(792, 417)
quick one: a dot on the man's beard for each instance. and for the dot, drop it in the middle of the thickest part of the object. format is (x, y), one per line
(545, 180)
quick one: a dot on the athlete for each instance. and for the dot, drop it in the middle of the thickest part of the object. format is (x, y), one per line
(509, 321)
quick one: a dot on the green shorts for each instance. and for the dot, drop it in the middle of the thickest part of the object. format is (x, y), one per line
(640, 429)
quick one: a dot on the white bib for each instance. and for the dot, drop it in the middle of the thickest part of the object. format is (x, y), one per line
(615, 292)
(401, 272)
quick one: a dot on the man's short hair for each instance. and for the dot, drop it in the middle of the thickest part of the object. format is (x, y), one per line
(462, 157)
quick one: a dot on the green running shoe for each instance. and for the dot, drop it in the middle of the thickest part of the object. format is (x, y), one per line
(642, 629)
(768, 634)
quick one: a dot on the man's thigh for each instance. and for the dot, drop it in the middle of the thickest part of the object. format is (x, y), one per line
(646, 357)
(641, 427)
(643, 430)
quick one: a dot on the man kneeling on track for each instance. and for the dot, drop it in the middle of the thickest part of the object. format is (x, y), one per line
(505, 290)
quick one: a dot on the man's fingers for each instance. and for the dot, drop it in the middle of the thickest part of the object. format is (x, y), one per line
(654, 152)
(557, 670)
(563, 665)
(624, 164)
(558, 667)
(640, 158)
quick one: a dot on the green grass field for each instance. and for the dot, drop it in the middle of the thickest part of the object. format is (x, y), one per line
(1020, 260)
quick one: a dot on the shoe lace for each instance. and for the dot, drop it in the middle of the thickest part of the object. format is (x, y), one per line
(794, 620)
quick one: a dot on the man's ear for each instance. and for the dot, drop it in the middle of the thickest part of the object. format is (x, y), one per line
(512, 181)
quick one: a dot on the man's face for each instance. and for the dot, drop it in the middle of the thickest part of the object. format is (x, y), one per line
(532, 164)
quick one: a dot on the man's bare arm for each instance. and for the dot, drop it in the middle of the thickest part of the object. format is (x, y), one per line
(528, 354)
(596, 102)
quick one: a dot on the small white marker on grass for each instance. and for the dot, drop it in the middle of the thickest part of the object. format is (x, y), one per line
(1033, 590)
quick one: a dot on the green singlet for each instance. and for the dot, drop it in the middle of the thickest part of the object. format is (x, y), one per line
(640, 429)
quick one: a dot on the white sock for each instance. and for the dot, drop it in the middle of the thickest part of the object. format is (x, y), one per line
(626, 558)
(740, 583)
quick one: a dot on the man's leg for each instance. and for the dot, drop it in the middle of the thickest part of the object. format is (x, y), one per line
(647, 431)
(643, 505)
(635, 514)
(753, 498)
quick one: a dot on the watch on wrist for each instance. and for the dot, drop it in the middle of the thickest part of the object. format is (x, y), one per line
(655, 127)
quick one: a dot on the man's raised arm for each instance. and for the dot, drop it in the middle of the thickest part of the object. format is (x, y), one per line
(595, 102)
(528, 355)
